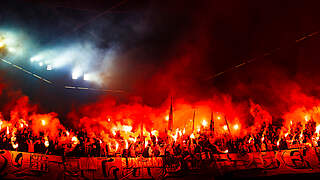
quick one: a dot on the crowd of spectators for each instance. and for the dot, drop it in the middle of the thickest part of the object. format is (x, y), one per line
(267, 138)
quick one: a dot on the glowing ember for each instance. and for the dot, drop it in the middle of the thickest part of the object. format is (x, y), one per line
(286, 134)
(192, 136)
(43, 122)
(67, 133)
(46, 143)
(117, 146)
(146, 143)
(225, 127)
(318, 129)
(306, 117)
(15, 146)
(113, 131)
(204, 123)
(75, 140)
(226, 151)
(133, 139)
(154, 132)
(127, 128)
(175, 137)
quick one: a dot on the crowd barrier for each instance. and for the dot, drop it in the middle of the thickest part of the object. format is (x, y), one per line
(21, 165)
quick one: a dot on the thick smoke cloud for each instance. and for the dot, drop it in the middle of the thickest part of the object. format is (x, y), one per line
(170, 48)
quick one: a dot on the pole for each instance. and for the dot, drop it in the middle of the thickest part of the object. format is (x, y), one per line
(211, 124)
(194, 116)
(225, 118)
(141, 133)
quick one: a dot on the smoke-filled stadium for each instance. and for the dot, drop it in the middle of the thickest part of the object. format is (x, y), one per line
(142, 89)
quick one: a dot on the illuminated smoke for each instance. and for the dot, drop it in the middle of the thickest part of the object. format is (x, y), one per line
(12, 43)
(85, 60)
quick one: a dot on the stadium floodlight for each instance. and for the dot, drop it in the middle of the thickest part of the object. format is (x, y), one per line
(49, 67)
(35, 58)
(76, 73)
(86, 77)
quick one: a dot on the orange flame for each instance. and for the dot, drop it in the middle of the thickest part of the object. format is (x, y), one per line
(204, 123)
(225, 127)
(236, 127)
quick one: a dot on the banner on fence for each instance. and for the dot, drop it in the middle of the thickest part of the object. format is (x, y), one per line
(15, 165)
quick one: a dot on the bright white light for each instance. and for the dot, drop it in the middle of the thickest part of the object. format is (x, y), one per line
(49, 67)
(40, 63)
(2, 44)
(86, 77)
(12, 41)
(92, 77)
(12, 50)
(76, 73)
(225, 127)
(204, 123)
(83, 65)
(36, 58)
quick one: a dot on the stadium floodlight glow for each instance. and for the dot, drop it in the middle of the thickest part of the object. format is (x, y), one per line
(92, 77)
(12, 41)
(12, 50)
(35, 58)
(49, 67)
(76, 73)
(40, 63)
(87, 77)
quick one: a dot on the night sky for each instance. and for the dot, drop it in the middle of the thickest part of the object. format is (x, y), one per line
(170, 48)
